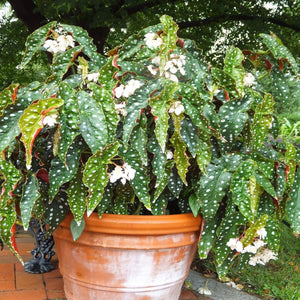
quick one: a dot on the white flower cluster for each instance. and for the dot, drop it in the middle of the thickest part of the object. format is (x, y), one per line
(125, 172)
(262, 257)
(177, 108)
(60, 44)
(121, 109)
(172, 66)
(127, 90)
(93, 76)
(153, 41)
(249, 79)
(50, 120)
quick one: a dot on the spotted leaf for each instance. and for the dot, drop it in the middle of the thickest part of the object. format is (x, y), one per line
(279, 50)
(262, 121)
(34, 41)
(8, 219)
(140, 182)
(93, 124)
(8, 96)
(273, 234)
(29, 197)
(95, 176)
(61, 172)
(175, 183)
(31, 124)
(293, 205)
(208, 237)
(77, 192)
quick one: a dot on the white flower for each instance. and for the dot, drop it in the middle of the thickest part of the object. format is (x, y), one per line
(152, 69)
(152, 40)
(263, 257)
(170, 76)
(125, 172)
(250, 249)
(262, 233)
(156, 60)
(93, 76)
(120, 109)
(50, 120)
(235, 244)
(59, 45)
(129, 172)
(177, 108)
(119, 91)
(169, 154)
(204, 290)
(258, 244)
(174, 65)
(249, 79)
(129, 89)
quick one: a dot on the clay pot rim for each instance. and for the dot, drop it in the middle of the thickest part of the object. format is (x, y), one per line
(139, 224)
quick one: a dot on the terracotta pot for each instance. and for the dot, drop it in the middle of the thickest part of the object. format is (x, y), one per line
(124, 257)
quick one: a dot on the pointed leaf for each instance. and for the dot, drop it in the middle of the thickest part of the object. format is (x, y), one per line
(273, 234)
(30, 196)
(93, 124)
(31, 124)
(8, 218)
(106, 200)
(8, 96)
(77, 228)
(95, 176)
(140, 182)
(265, 183)
(175, 183)
(34, 41)
(208, 237)
(293, 205)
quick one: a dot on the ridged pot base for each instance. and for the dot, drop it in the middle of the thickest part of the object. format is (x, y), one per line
(127, 257)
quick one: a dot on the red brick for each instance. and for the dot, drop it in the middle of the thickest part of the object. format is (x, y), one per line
(24, 295)
(27, 281)
(54, 284)
(6, 268)
(56, 295)
(7, 285)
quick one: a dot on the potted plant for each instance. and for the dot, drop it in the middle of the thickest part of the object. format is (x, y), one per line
(143, 142)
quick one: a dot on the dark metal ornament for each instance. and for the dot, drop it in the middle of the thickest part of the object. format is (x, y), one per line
(43, 253)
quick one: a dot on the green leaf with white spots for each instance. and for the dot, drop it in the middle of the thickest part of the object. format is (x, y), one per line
(30, 122)
(290, 158)
(9, 128)
(159, 107)
(8, 219)
(104, 99)
(68, 119)
(82, 37)
(175, 183)
(77, 192)
(106, 200)
(240, 187)
(140, 182)
(181, 158)
(194, 204)
(207, 238)
(279, 50)
(293, 205)
(63, 61)
(8, 96)
(30, 196)
(95, 175)
(189, 134)
(262, 121)
(34, 41)
(273, 234)
(139, 142)
(159, 206)
(265, 183)
(123, 196)
(233, 66)
(203, 151)
(250, 233)
(93, 124)
(77, 228)
(226, 81)
(56, 211)
(169, 37)
(135, 104)
(280, 184)
(213, 187)
(10, 176)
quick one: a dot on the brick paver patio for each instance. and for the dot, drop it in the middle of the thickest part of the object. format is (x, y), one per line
(16, 284)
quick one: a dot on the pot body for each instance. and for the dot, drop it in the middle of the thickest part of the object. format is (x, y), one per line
(124, 257)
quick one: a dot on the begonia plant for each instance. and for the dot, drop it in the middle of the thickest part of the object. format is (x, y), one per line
(152, 128)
